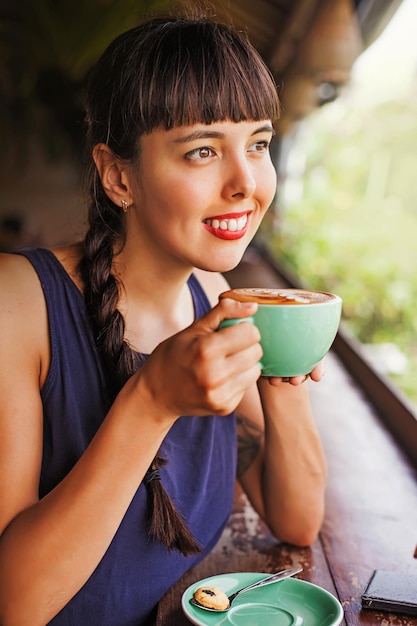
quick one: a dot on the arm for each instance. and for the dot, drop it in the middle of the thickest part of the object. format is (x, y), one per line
(281, 465)
(283, 472)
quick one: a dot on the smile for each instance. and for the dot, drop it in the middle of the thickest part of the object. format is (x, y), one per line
(228, 228)
(232, 225)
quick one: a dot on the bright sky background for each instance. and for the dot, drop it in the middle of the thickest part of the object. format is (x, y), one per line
(388, 68)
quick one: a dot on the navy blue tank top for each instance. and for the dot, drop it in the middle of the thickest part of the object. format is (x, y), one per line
(134, 572)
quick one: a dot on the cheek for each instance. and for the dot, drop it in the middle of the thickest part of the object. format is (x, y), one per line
(187, 198)
(162, 195)
(179, 188)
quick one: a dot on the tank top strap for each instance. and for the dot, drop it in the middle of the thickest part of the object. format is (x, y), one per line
(201, 302)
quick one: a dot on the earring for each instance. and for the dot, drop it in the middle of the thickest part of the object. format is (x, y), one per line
(124, 206)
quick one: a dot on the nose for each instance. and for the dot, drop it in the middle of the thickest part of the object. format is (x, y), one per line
(240, 180)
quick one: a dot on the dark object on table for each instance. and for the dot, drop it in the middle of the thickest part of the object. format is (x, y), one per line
(390, 591)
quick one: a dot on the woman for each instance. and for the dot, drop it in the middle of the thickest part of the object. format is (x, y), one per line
(120, 398)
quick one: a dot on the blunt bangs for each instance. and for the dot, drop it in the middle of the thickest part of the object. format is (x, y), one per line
(204, 73)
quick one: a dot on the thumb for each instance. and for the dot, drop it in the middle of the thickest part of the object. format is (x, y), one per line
(225, 309)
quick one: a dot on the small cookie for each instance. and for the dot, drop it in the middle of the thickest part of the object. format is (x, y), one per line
(212, 598)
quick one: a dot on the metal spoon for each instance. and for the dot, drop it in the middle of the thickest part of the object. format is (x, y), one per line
(273, 578)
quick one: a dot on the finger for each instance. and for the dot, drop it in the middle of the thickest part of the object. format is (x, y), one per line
(298, 380)
(319, 371)
(242, 359)
(234, 339)
(225, 309)
(234, 389)
(292, 380)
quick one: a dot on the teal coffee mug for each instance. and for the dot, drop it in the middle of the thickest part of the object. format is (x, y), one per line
(297, 326)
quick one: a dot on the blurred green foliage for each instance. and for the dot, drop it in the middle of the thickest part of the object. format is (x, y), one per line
(353, 229)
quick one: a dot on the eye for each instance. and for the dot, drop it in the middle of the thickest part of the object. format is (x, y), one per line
(200, 154)
(260, 146)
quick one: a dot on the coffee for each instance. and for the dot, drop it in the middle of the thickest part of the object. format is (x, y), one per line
(278, 296)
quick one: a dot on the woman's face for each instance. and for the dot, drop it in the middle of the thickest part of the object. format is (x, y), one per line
(201, 191)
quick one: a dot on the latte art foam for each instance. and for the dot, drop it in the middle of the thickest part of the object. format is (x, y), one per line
(278, 296)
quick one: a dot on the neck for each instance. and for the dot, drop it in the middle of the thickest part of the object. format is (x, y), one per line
(155, 300)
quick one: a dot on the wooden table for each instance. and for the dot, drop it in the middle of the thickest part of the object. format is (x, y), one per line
(371, 513)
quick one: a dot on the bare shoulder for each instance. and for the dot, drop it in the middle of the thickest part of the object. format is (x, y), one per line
(19, 281)
(19, 284)
(23, 316)
(213, 284)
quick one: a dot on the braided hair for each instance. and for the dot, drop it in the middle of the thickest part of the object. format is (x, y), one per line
(164, 73)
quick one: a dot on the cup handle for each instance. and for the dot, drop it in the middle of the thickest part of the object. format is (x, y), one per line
(235, 320)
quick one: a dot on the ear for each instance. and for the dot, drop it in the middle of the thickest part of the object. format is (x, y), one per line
(113, 175)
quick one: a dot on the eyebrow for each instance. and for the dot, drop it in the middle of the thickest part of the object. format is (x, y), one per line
(214, 134)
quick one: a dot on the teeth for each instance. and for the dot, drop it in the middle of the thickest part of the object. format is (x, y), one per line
(231, 224)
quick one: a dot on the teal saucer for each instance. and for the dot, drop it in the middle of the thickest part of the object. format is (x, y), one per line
(290, 602)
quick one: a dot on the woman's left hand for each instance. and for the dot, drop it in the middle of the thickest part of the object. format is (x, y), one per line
(316, 374)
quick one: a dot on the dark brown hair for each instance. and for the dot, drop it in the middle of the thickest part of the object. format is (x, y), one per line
(163, 73)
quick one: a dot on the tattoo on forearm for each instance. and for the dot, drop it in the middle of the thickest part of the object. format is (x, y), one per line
(249, 438)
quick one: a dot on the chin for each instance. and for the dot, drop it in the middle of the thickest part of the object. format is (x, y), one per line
(220, 265)
(224, 257)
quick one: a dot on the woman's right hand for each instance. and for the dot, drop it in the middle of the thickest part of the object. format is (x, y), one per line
(201, 370)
